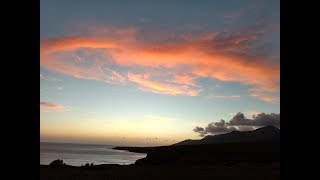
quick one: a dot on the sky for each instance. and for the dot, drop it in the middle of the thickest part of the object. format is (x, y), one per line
(148, 72)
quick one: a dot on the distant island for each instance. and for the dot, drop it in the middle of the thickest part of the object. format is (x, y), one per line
(235, 155)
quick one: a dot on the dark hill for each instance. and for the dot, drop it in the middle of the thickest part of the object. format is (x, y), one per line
(267, 133)
(235, 155)
(260, 145)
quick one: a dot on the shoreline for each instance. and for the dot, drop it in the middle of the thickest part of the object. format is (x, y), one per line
(255, 160)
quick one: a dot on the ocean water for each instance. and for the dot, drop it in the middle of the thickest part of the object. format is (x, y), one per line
(80, 154)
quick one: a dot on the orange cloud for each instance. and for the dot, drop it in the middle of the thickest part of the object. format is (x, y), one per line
(161, 88)
(50, 105)
(184, 79)
(92, 68)
(268, 98)
(265, 96)
(253, 113)
(207, 55)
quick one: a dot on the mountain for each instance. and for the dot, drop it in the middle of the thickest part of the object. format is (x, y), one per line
(267, 133)
(261, 146)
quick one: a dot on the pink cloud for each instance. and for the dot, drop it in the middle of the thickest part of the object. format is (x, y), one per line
(253, 113)
(184, 79)
(265, 97)
(161, 88)
(50, 105)
(187, 56)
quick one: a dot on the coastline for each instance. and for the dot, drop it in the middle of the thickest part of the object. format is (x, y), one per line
(220, 161)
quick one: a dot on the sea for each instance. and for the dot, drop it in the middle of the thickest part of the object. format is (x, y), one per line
(80, 154)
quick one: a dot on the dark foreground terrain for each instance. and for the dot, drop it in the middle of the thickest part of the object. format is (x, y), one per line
(253, 160)
(262, 171)
(235, 155)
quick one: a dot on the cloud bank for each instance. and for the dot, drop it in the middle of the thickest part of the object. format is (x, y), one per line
(112, 54)
(240, 123)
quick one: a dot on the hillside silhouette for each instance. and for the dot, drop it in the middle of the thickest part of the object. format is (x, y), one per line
(235, 155)
(262, 144)
(267, 133)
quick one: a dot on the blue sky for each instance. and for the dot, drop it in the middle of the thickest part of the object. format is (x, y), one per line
(147, 73)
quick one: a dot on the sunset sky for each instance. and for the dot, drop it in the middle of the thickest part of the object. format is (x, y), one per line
(147, 72)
